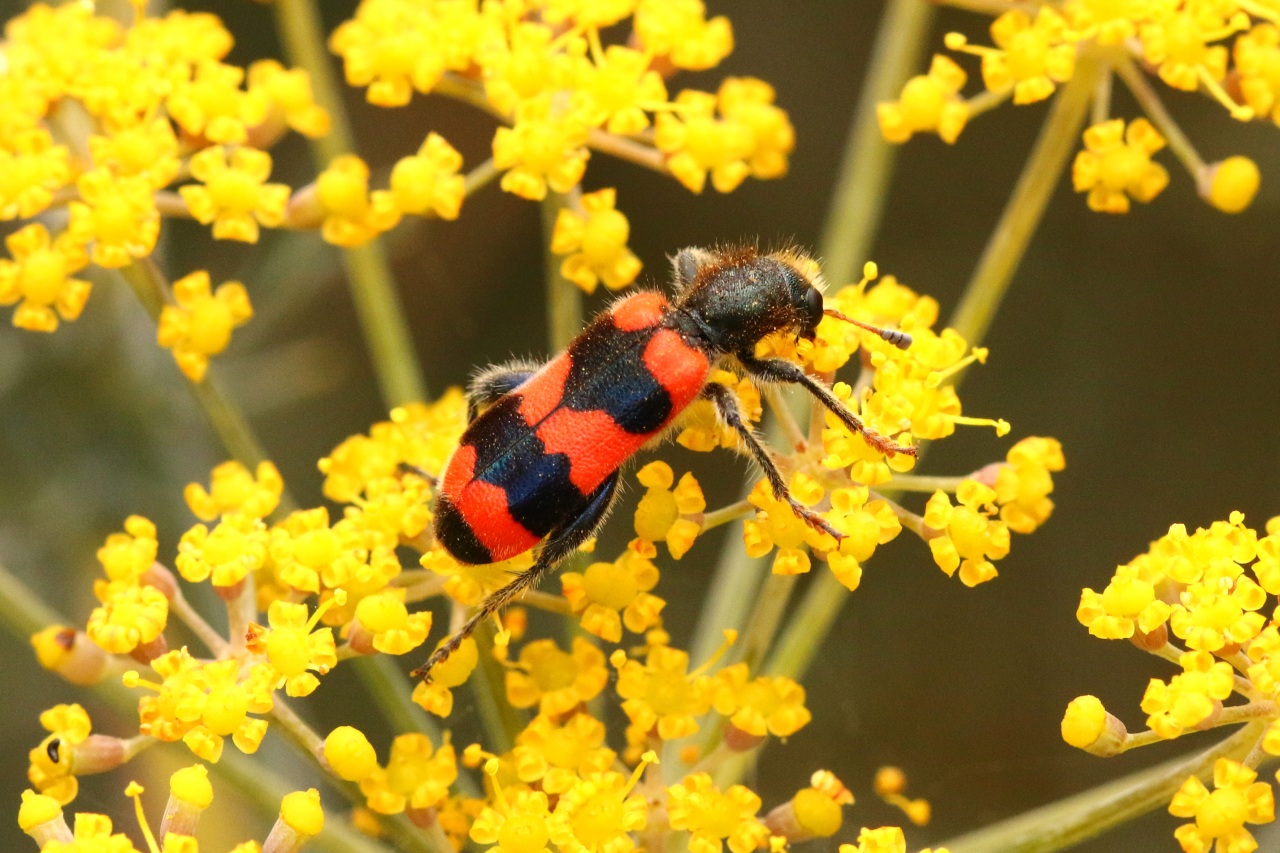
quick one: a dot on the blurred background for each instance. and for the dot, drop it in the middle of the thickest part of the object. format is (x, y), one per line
(1139, 341)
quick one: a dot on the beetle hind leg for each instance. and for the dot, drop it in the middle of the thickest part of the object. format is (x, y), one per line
(560, 545)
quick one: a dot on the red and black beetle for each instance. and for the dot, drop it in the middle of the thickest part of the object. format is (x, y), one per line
(539, 462)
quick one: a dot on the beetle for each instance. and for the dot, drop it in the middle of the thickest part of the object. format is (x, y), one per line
(539, 462)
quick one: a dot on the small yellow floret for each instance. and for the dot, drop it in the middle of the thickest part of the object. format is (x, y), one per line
(1231, 184)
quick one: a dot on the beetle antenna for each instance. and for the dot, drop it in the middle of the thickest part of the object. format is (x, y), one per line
(897, 337)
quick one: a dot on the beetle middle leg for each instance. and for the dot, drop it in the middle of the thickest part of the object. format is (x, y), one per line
(730, 411)
(560, 544)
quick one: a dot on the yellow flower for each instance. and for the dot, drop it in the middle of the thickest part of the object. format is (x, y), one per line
(118, 215)
(212, 105)
(762, 706)
(679, 30)
(391, 47)
(290, 96)
(32, 168)
(552, 754)
(1127, 604)
(596, 242)
(698, 143)
(202, 704)
(929, 103)
(865, 525)
(235, 197)
(713, 817)
(1189, 698)
(776, 525)
(309, 555)
(127, 556)
(200, 325)
(1219, 610)
(52, 769)
(428, 182)
(130, 616)
(670, 515)
(599, 813)
(420, 434)
(417, 776)
(814, 812)
(1176, 40)
(661, 694)
(556, 680)
(886, 839)
(236, 546)
(1117, 165)
(749, 102)
(387, 625)
(233, 489)
(1109, 21)
(294, 647)
(352, 215)
(542, 149)
(1024, 484)
(970, 538)
(617, 88)
(38, 278)
(148, 149)
(436, 695)
(521, 824)
(1030, 56)
(599, 594)
(523, 65)
(1220, 815)
(1231, 184)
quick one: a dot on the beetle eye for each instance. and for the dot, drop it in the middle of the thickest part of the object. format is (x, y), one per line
(813, 309)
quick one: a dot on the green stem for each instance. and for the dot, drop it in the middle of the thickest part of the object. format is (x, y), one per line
(1137, 83)
(303, 738)
(860, 190)
(1067, 822)
(925, 483)
(808, 627)
(224, 417)
(1022, 214)
(564, 298)
(381, 315)
(488, 685)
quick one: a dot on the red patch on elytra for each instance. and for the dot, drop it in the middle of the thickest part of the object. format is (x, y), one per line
(460, 470)
(639, 311)
(594, 443)
(542, 393)
(485, 508)
(679, 368)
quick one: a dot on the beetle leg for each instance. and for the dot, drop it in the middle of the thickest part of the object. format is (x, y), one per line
(730, 411)
(493, 383)
(561, 543)
(777, 370)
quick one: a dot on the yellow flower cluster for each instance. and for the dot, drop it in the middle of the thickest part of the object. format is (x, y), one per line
(1223, 49)
(544, 70)
(307, 589)
(160, 107)
(190, 794)
(1202, 600)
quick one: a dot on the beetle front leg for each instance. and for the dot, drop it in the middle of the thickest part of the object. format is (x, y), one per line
(777, 370)
(730, 411)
